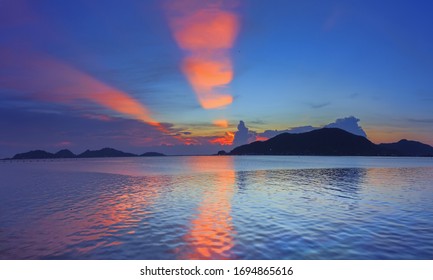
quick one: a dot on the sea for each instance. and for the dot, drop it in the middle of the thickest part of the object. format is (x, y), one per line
(217, 207)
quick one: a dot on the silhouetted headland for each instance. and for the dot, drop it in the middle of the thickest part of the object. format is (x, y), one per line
(330, 142)
(102, 153)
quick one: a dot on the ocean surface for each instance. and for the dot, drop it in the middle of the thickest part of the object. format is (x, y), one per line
(245, 207)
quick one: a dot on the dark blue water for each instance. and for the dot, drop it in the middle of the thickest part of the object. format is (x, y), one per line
(217, 208)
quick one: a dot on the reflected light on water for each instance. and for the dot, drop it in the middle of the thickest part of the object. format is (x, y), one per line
(93, 223)
(211, 233)
(217, 208)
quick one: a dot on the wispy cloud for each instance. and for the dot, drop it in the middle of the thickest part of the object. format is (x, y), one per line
(427, 120)
(260, 122)
(205, 30)
(318, 105)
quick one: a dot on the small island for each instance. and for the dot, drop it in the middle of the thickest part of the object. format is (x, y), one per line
(102, 153)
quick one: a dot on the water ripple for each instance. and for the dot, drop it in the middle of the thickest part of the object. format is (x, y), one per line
(223, 208)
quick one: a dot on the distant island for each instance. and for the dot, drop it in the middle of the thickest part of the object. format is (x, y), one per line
(320, 142)
(102, 153)
(330, 142)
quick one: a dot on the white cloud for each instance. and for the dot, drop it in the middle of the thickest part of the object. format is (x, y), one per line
(349, 124)
(243, 135)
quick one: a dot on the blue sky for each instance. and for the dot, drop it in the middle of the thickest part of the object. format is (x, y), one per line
(292, 63)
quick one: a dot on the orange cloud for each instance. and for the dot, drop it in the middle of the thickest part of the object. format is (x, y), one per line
(205, 28)
(221, 123)
(206, 31)
(226, 140)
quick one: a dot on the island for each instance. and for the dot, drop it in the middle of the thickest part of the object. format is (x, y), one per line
(102, 153)
(319, 142)
(331, 142)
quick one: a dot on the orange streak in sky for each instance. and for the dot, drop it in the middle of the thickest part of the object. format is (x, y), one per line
(221, 123)
(206, 32)
(54, 81)
(78, 85)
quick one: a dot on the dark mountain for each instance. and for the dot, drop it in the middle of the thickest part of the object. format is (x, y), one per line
(152, 154)
(64, 154)
(325, 141)
(408, 148)
(37, 154)
(105, 152)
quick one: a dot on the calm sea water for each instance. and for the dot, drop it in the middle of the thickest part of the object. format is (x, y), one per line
(217, 208)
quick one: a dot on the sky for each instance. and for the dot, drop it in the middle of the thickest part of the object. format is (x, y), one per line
(196, 77)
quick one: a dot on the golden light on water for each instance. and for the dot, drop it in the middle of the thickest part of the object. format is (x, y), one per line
(210, 235)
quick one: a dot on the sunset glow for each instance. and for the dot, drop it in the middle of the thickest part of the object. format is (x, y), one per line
(215, 130)
(194, 77)
(225, 140)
